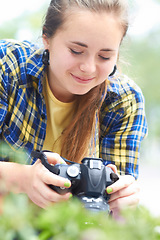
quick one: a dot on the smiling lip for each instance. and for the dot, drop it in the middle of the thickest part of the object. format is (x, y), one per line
(82, 80)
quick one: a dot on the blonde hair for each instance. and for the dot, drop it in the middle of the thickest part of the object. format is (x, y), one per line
(76, 137)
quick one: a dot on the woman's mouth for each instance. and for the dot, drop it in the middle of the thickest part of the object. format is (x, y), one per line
(83, 80)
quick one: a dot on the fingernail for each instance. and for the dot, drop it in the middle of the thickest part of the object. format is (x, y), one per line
(63, 162)
(109, 190)
(67, 184)
(70, 196)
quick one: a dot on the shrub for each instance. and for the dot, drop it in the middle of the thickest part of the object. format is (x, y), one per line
(22, 220)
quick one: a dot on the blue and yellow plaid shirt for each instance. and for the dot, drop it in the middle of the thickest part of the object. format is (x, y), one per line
(23, 115)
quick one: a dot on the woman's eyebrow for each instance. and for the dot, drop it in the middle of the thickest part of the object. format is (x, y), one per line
(84, 45)
(108, 50)
(80, 44)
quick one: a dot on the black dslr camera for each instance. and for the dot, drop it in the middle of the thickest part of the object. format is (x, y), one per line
(89, 180)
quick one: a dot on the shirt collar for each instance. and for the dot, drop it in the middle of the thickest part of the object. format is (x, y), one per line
(35, 67)
(113, 88)
(114, 85)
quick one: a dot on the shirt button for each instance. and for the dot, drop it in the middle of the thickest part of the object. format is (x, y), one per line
(7, 131)
(43, 116)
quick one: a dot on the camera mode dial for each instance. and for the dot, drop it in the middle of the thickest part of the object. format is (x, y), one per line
(73, 171)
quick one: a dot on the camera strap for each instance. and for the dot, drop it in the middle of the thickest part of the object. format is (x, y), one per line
(43, 158)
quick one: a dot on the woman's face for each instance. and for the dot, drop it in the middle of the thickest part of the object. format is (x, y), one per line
(82, 53)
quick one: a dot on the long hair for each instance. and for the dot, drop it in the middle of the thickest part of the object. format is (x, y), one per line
(75, 139)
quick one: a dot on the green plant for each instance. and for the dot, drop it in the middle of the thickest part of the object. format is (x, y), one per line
(8, 154)
(16, 219)
(22, 220)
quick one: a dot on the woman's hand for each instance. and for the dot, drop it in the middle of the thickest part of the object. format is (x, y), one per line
(38, 179)
(124, 193)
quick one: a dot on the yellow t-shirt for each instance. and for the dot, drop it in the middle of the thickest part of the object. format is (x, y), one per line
(59, 115)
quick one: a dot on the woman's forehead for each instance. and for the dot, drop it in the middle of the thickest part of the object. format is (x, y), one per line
(86, 26)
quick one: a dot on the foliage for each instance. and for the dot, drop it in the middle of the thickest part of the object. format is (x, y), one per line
(21, 220)
(8, 154)
(16, 219)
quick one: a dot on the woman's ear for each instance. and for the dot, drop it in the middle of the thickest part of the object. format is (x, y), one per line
(45, 41)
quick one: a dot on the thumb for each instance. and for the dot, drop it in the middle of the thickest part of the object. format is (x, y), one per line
(54, 158)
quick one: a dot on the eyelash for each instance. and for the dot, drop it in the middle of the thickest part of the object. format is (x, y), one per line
(74, 52)
(103, 58)
(78, 53)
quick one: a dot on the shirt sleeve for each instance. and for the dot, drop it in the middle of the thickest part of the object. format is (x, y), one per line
(122, 127)
(3, 86)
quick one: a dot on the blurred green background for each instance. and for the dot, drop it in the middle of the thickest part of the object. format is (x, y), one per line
(140, 54)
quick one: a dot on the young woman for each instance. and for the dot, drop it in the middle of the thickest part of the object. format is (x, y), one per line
(70, 98)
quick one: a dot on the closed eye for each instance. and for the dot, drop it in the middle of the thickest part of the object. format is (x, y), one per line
(104, 58)
(75, 52)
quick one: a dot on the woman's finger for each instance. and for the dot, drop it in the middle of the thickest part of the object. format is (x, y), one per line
(53, 179)
(127, 191)
(53, 196)
(54, 158)
(42, 195)
(43, 175)
(119, 203)
(123, 182)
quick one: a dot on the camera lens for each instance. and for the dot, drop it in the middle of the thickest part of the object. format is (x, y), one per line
(94, 204)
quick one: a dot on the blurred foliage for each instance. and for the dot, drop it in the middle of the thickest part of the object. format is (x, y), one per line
(8, 154)
(21, 220)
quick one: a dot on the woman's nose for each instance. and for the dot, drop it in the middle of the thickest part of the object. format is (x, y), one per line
(88, 66)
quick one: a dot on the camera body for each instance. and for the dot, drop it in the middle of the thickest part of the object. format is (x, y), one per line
(89, 180)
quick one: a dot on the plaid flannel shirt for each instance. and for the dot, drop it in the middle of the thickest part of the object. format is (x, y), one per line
(23, 112)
